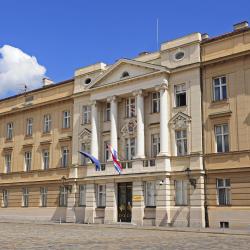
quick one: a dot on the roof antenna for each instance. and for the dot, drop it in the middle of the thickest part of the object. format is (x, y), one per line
(157, 33)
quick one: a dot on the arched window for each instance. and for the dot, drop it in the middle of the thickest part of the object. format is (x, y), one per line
(125, 74)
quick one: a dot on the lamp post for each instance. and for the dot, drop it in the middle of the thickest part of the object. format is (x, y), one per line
(192, 181)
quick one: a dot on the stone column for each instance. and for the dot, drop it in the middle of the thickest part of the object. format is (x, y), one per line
(140, 144)
(94, 130)
(111, 205)
(113, 122)
(138, 203)
(89, 216)
(163, 203)
(164, 118)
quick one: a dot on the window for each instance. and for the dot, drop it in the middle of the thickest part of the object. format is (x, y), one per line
(179, 55)
(181, 142)
(65, 157)
(63, 197)
(223, 191)
(180, 95)
(88, 81)
(150, 189)
(66, 119)
(29, 127)
(181, 189)
(220, 88)
(9, 131)
(130, 107)
(43, 196)
(25, 198)
(155, 102)
(155, 145)
(130, 148)
(82, 195)
(106, 151)
(46, 123)
(85, 147)
(125, 74)
(45, 159)
(5, 200)
(8, 163)
(107, 112)
(221, 134)
(27, 160)
(86, 114)
(101, 195)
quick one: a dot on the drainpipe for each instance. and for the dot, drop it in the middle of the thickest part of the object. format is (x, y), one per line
(203, 143)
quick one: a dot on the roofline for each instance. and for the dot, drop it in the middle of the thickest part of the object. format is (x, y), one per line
(232, 33)
(38, 89)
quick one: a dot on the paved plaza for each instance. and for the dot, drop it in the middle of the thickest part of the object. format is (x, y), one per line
(65, 236)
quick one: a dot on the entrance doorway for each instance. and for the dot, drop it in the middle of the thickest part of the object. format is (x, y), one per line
(124, 202)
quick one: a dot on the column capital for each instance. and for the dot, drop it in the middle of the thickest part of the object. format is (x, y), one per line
(163, 85)
(112, 98)
(93, 102)
(137, 92)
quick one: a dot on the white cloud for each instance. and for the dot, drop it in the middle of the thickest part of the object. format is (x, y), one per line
(17, 69)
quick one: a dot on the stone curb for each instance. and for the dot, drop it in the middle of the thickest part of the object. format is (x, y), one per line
(134, 227)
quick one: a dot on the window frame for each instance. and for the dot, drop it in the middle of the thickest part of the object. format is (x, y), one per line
(27, 161)
(46, 167)
(128, 148)
(150, 194)
(63, 196)
(43, 196)
(66, 119)
(47, 123)
(178, 93)
(106, 151)
(64, 149)
(183, 141)
(130, 104)
(183, 196)
(227, 191)
(223, 134)
(101, 196)
(107, 112)
(5, 198)
(155, 102)
(156, 144)
(7, 162)
(86, 147)
(29, 127)
(220, 86)
(86, 114)
(10, 130)
(82, 195)
(25, 197)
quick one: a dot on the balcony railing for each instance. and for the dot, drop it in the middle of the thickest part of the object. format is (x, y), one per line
(126, 164)
(149, 163)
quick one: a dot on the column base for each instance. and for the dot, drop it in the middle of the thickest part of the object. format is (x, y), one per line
(89, 217)
(137, 216)
(110, 215)
(162, 217)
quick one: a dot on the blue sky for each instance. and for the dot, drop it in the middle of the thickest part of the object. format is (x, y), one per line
(65, 35)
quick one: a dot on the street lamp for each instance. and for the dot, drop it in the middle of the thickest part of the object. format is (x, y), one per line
(192, 181)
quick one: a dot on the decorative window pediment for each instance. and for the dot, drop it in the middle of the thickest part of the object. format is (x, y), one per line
(85, 135)
(129, 128)
(180, 121)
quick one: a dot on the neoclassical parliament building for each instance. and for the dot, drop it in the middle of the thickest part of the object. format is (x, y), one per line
(179, 119)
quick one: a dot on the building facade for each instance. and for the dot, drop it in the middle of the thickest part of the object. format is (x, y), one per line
(179, 119)
(226, 98)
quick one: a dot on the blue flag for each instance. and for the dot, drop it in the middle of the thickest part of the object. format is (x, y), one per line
(93, 160)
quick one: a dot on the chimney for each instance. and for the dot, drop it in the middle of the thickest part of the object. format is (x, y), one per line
(47, 81)
(204, 36)
(241, 25)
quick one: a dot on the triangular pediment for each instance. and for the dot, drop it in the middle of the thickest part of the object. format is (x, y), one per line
(85, 135)
(180, 120)
(124, 70)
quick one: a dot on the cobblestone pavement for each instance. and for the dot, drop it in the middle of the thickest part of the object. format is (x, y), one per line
(56, 236)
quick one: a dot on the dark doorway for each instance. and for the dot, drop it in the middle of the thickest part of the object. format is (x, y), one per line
(124, 202)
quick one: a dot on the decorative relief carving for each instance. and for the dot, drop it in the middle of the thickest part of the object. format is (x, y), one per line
(129, 128)
(85, 136)
(180, 121)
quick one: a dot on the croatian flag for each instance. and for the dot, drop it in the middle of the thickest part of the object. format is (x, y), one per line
(117, 164)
